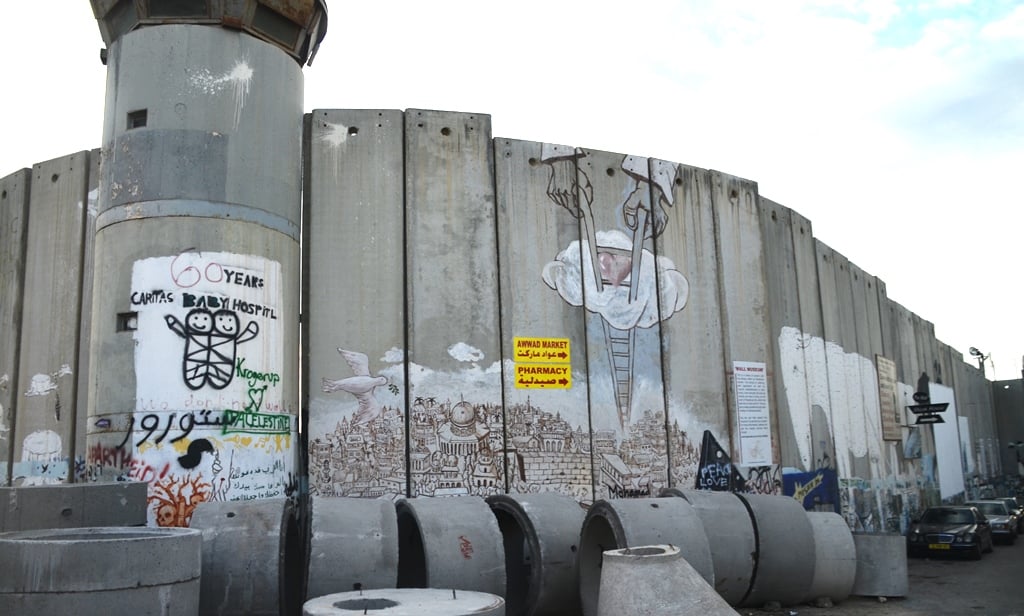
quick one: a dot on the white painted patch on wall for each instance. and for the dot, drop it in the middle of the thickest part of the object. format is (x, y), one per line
(42, 384)
(461, 351)
(335, 135)
(238, 80)
(394, 355)
(947, 443)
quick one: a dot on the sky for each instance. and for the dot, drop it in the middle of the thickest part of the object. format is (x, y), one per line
(895, 126)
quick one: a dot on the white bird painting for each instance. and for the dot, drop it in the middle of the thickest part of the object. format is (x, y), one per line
(361, 386)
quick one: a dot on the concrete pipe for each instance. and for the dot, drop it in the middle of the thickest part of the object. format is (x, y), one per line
(100, 570)
(784, 561)
(353, 545)
(450, 543)
(835, 558)
(881, 566)
(250, 561)
(541, 533)
(407, 602)
(655, 580)
(73, 505)
(621, 523)
(730, 533)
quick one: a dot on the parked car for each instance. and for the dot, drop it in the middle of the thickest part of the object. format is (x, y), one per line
(1015, 505)
(1002, 520)
(950, 530)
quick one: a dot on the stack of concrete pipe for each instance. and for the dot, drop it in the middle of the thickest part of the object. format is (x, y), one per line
(541, 554)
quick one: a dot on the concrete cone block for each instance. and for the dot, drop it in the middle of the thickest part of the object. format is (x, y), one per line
(621, 523)
(655, 580)
(835, 557)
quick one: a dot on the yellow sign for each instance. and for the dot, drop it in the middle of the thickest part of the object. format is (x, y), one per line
(543, 376)
(541, 350)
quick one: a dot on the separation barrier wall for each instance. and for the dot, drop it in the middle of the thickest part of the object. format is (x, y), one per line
(487, 315)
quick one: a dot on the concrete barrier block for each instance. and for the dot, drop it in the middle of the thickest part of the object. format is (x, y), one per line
(881, 566)
(73, 505)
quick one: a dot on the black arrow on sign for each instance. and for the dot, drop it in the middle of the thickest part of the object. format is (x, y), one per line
(929, 419)
(919, 409)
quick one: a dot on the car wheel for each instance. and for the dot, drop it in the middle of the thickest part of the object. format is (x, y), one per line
(975, 554)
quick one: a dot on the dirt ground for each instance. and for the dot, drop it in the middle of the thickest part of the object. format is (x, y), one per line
(993, 586)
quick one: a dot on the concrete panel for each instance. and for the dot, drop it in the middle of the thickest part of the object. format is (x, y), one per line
(73, 506)
(811, 344)
(354, 308)
(44, 433)
(14, 200)
(691, 340)
(839, 367)
(786, 328)
(456, 419)
(547, 446)
(744, 306)
(621, 294)
(85, 327)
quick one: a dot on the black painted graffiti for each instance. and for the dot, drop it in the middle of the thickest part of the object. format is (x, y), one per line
(196, 449)
(715, 470)
(186, 422)
(211, 342)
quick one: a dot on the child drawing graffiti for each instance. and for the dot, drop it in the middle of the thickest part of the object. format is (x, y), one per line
(211, 341)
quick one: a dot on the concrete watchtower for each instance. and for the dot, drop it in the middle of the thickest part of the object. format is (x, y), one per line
(193, 355)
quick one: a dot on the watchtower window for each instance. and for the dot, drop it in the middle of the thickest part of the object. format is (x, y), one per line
(137, 119)
(179, 8)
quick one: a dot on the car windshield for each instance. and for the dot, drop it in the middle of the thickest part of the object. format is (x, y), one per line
(947, 516)
(991, 508)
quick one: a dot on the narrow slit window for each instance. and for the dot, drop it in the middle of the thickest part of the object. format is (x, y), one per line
(137, 119)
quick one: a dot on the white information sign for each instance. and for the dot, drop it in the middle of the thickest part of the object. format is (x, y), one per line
(750, 384)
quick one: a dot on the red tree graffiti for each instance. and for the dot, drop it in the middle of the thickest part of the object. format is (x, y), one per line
(174, 499)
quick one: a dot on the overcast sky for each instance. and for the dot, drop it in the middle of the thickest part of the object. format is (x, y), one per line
(896, 126)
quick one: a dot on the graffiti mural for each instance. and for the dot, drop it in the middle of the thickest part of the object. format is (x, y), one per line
(216, 426)
(717, 472)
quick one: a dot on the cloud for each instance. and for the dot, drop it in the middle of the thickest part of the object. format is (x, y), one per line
(612, 302)
(464, 352)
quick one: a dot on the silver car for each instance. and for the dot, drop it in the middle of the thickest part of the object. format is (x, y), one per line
(1016, 508)
(1002, 520)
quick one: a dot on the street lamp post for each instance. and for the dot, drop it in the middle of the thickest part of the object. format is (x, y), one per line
(981, 357)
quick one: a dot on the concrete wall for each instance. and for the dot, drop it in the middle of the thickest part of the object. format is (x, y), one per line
(488, 315)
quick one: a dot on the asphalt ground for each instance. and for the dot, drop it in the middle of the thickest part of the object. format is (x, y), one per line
(993, 586)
